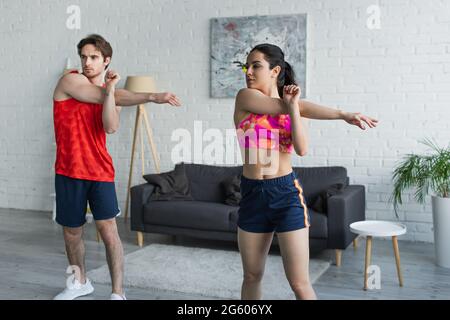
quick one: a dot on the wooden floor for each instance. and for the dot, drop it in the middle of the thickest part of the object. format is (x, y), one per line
(33, 263)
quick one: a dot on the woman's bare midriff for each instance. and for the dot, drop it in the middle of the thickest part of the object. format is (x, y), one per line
(274, 169)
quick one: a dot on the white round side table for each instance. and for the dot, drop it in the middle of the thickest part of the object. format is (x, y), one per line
(371, 228)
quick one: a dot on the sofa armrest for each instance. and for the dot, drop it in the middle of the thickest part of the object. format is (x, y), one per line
(343, 209)
(139, 196)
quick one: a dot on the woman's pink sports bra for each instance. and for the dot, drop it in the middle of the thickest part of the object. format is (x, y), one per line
(266, 132)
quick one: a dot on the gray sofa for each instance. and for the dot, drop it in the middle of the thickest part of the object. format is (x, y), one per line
(208, 216)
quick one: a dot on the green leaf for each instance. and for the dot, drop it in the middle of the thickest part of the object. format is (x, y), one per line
(424, 172)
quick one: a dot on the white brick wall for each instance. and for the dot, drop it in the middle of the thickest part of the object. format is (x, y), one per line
(399, 74)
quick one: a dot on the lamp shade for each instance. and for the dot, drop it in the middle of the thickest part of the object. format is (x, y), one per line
(140, 84)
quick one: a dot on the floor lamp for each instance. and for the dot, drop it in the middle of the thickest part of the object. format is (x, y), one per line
(140, 84)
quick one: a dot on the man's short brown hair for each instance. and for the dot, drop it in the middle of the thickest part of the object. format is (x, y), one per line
(99, 42)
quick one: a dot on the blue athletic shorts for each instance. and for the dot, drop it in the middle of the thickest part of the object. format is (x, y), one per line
(272, 205)
(72, 196)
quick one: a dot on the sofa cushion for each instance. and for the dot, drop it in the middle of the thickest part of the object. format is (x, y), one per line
(317, 179)
(205, 181)
(319, 224)
(191, 214)
(212, 216)
(232, 190)
(172, 185)
(321, 202)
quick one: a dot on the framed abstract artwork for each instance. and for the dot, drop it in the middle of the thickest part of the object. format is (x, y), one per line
(233, 38)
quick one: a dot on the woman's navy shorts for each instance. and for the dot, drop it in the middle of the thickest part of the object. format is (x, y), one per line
(272, 205)
(72, 196)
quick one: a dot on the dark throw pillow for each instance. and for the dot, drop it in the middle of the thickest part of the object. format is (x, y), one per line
(232, 190)
(172, 185)
(320, 205)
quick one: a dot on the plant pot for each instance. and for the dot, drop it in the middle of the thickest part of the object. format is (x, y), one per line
(441, 223)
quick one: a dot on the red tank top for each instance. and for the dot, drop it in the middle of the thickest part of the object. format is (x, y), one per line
(81, 141)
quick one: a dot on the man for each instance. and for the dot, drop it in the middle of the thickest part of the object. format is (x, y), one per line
(84, 110)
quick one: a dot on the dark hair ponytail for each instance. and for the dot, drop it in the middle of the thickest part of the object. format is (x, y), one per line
(275, 56)
(289, 75)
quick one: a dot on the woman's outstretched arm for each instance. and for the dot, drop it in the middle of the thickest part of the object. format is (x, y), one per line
(314, 111)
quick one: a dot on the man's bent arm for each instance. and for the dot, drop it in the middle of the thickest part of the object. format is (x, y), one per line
(80, 89)
(110, 115)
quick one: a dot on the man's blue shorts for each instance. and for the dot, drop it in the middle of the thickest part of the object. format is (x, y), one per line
(272, 205)
(72, 196)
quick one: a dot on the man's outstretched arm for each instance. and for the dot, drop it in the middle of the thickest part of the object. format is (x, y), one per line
(78, 87)
(128, 98)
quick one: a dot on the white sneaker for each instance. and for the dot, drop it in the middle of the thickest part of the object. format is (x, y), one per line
(115, 296)
(75, 289)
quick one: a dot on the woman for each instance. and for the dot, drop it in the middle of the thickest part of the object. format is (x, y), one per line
(268, 119)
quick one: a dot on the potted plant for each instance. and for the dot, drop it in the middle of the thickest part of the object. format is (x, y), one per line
(424, 172)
